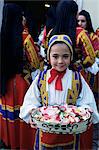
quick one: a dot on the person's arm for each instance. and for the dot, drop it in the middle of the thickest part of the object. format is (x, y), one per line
(31, 101)
(86, 100)
(95, 42)
(94, 69)
(84, 42)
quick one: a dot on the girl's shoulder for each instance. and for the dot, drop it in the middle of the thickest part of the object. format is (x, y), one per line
(42, 75)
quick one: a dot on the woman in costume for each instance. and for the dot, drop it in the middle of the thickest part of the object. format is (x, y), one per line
(84, 21)
(58, 86)
(31, 49)
(14, 132)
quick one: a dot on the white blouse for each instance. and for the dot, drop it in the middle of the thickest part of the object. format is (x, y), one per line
(32, 98)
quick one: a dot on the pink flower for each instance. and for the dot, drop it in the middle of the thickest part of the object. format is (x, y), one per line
(58, 118)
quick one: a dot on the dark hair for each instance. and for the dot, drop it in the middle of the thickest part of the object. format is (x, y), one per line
(11, 44)
(50, 18)
(89, 26)
(66, 12)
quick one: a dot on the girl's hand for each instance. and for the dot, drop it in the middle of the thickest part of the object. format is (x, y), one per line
(32, 124)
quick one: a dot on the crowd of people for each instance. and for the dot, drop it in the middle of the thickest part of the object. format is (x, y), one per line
(67, 73)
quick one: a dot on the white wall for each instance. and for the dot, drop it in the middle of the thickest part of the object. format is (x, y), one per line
(92, 6)
(80, 4)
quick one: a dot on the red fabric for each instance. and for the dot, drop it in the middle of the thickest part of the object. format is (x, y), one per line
(86, 139)
(81, 45)
(56, 138)
(27, 136)
(31, 50)
(95, 42)
(25, 34)
(59, 139)
(58, 84)
(15, 133)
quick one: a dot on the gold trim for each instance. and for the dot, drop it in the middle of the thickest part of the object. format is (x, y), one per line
(87, 46)
(73, 92)
(32, 52)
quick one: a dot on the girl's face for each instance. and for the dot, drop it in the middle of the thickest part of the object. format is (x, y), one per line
(60, 56)
(82, 21)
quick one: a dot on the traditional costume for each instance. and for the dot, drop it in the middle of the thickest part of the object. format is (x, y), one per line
(31, 51)
(89, 45)
(93, 77)
(53, 88)
(14, 132)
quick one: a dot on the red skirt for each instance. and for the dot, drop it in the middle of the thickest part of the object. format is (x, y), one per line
(13, 131)
(50, 141)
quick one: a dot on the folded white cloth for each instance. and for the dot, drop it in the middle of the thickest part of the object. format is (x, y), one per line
(94, 68)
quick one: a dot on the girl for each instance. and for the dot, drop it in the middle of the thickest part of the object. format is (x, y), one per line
(59, 85)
